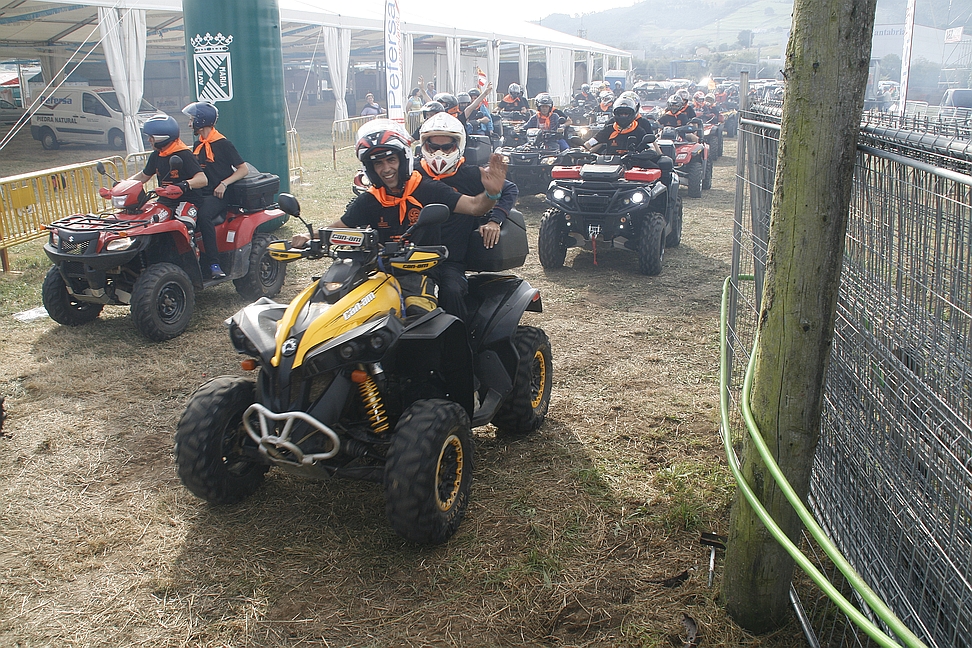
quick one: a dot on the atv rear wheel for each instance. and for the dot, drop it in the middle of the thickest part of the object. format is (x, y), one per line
(265, 275)
(162, 301)
(675, 236)
(552, 239)
(693, 173)
(707, 176)
(210, 441)
(526, 406)
(62, 306)
(651, 246)
(428, 474)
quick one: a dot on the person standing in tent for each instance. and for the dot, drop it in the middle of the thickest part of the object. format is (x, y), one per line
(371, 106)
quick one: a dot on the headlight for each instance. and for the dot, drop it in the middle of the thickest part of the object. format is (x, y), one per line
(559, 194)
(55, 239)
(548, 160)
(637, 197)
(120, 244)
(118, 201)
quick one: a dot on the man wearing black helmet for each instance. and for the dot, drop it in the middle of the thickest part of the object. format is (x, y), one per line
(430, 108)
(175, 184)
(223, 166)
(548, 117)
(514, 101)
(623, 133)
(451, 105)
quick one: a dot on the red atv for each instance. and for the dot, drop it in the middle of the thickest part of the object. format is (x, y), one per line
(692, 159)
(146, 255)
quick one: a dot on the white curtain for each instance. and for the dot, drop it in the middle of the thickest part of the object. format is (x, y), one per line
(123, 40)
(453, 44)
(492, 69)
(524, 66)
(408, 52)
(590, 67)
(560, 73)
(51, 66)
(337, 49)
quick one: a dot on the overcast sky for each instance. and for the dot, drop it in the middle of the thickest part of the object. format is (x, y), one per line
(534, 11)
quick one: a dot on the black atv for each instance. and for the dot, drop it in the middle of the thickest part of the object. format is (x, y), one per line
(348, 385)
(530, 163)
(629, 201)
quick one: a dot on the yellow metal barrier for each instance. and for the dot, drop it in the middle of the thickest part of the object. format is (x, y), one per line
(344, 131)
(294, 160)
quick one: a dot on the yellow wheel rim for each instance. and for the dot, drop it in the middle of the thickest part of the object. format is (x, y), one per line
(448, 472)
(538, 379)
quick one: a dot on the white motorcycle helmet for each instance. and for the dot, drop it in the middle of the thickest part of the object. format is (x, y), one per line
(442, 124)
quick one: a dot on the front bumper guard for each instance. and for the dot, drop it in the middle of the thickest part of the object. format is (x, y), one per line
(270, 443)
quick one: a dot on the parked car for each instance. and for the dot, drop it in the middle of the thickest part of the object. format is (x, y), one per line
(9, 113)
(956, 105)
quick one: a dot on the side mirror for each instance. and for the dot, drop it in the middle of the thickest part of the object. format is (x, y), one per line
(289, 204)
(175, 162)
(648, 140)
(100, 168)
(563, 120)
(434, 214)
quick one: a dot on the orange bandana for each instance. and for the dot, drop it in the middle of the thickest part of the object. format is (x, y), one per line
(544, 122)
(175, 146)
(439, 176)
(618, 131)
(402, 201)
(205, 142)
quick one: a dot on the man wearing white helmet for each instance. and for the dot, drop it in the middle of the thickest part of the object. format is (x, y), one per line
(398, 193)
(443, 139)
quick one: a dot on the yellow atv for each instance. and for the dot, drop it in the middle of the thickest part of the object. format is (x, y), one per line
(349, 385)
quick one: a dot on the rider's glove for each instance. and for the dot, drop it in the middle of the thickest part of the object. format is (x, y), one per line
(171, 191)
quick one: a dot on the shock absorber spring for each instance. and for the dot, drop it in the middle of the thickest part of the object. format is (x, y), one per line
(373, 403)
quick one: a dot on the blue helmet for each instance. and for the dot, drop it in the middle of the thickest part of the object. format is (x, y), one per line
(203, 114)
(163, 129)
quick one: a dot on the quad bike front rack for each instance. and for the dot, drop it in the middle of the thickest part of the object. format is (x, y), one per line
(270, 444)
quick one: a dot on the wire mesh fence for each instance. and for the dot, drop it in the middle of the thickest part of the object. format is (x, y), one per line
(892, 478)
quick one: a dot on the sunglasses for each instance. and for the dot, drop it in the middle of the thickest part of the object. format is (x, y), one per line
(445, 148)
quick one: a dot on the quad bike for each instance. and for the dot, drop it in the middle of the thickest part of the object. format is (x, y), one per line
(713, 135)
(530, 163)
(691, 158)
(507, 123)
(146, 255)
(349, 386)
(630, 201)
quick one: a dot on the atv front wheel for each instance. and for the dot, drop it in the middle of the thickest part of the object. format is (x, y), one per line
(211, 443)
(162, 302)
(428, 474)
(265, 276)
(675, 236)
(526, 406)
(693, 172)
(552, 239)
(62, 306)
(651, 246)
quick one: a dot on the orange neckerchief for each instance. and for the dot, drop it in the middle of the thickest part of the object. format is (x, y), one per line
(205, 142)
(544, 122)
(402, 201)
(440, 176)
(173, 147)
(618, 131)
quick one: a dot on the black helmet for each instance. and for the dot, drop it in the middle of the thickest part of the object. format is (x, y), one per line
(203, 114)
(449, 102)
(543, 99)
(380, 138)
(633, 96)
(585, 88)
(430, 108)
(474, 92)
(625, 110)
(675, 103)
(515, 90)
(464, 99)
(163, 129)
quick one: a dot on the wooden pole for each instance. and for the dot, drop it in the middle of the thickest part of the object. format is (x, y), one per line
(827, 62)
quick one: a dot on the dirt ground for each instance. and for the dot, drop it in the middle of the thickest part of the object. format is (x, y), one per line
(584, 534)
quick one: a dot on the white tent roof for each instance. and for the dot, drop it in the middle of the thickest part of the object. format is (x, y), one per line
(32, 27)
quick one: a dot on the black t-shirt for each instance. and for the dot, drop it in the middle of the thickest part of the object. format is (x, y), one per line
(226, 159)
(158, 165)
(681, 118)
(366, 211)
(619, 144)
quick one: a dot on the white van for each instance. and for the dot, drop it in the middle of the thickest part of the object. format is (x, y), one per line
(82, 115)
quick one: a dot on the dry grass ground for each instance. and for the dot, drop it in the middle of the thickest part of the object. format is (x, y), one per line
(570, 535)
